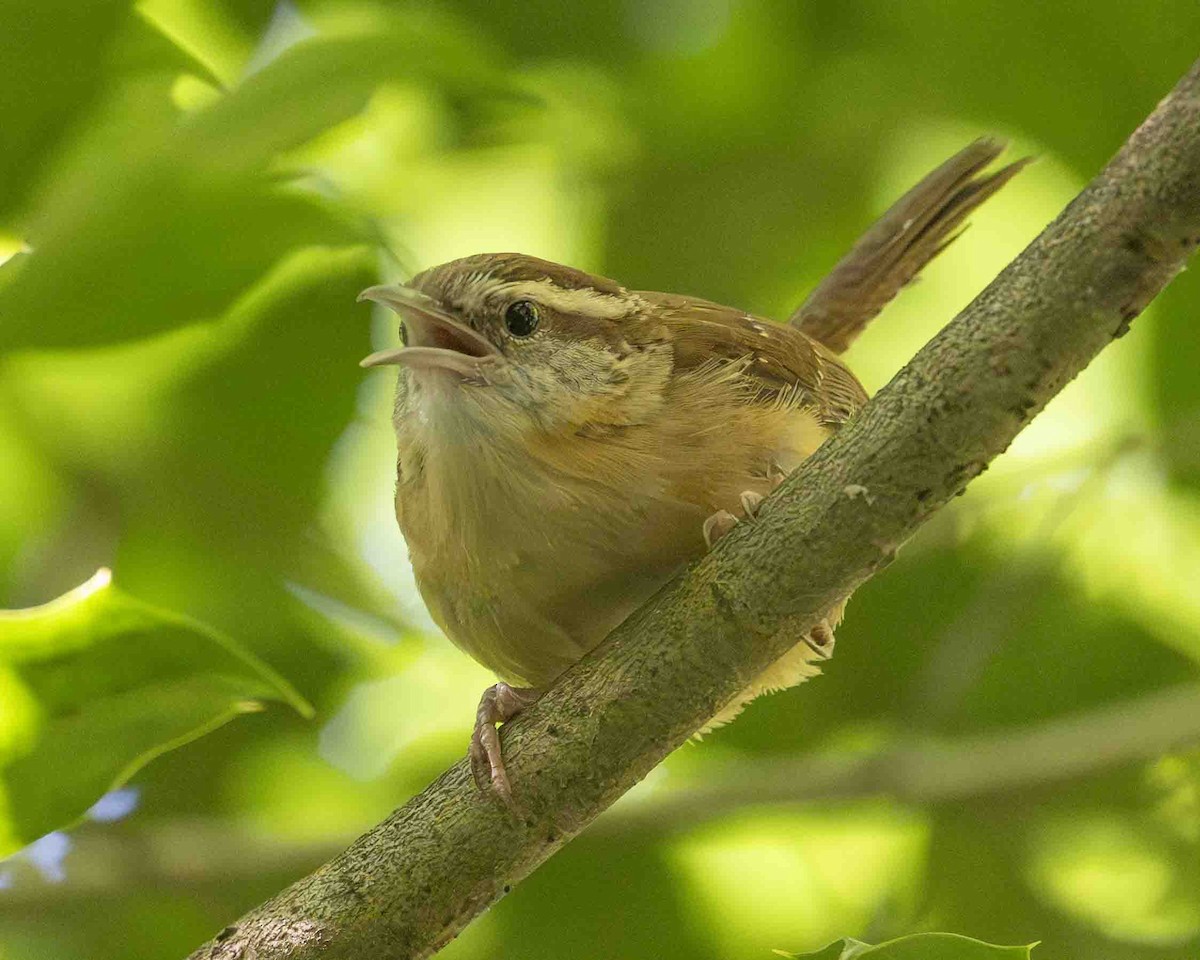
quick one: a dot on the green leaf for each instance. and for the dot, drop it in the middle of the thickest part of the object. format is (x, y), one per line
(94, 685)
(163, 219)
(53, 55)
(919, 946)
(160, 246)
(1174, 386)
(838, 950)
(213, 442)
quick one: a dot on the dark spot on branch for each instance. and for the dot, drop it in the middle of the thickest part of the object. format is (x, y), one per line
(1024, 410)
(723, 601)
(887, 553)
(965, 473)
(1135, 242)
(1146, 243)
(1127, 315)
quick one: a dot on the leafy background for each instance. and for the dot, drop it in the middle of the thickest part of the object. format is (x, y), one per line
(191, 194)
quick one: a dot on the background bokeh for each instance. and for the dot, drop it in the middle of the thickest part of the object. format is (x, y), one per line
(193, 191)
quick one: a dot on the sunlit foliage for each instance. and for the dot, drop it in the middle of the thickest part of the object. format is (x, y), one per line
(191, 194)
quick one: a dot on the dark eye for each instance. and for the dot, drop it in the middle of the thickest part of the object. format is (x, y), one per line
(521, 318)
(403, 334)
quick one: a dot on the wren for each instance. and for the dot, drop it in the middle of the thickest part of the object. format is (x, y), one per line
(566, 445)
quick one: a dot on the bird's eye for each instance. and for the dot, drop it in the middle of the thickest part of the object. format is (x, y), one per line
(403, 334)
(521, 318)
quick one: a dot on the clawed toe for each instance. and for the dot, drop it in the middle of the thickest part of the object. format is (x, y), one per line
(717, 526)
(751, 501)
(487, 761)
(820, 639)
(721, 522)
(499, 703)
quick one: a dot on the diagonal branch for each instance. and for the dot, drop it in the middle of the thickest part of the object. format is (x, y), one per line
(411, 883)
(188, 855)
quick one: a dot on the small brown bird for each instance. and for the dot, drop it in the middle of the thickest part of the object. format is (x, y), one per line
(566, 445)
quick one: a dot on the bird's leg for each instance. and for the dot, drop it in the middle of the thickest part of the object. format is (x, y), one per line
(500, 702)
(820, 638)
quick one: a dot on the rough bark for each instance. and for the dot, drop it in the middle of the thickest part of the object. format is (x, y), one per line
(411, 883)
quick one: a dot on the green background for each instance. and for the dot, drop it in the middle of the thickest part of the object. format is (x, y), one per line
(191, 194)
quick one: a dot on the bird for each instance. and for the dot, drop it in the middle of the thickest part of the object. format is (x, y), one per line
(566, 445)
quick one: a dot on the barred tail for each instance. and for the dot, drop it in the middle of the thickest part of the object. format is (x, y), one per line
(917, 227)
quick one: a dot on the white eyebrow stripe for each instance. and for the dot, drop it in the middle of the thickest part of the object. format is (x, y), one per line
(590, 303)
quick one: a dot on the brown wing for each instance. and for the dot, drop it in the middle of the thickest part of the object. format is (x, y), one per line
(779, 360)
(914, 230)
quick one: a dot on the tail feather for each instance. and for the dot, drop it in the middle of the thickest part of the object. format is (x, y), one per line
(914, 230)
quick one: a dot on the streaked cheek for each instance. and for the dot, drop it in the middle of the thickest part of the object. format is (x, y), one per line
(581, 368)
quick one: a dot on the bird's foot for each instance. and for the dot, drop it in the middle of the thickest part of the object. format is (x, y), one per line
(500, 702)
(820, 639)
(721, 522)
(717, 526)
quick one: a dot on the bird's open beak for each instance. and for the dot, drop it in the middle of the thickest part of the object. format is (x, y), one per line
(435, 339)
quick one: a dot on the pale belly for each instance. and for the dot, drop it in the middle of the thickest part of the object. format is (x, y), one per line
(528, 600)
(527, 570)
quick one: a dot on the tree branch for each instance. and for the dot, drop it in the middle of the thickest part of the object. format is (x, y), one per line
(410, 884)
(188, 854)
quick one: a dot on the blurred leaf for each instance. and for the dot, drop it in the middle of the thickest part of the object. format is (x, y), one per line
(988, 873)
(224, 513)
(919, 946)
(220, 34)
(324, 80)
(31, 498)
(53, 54)
(156, 245)
(250, 425)
(1174, 386)
(1029, 669)
(212, 442)
(98, 684)
(181, 162)
(635, 882)
(167, 229)
(1116, 872)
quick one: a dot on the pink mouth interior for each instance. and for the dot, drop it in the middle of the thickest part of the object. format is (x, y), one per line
(447, 338)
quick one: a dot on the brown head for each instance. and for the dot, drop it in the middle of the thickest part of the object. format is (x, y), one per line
(509, 341)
